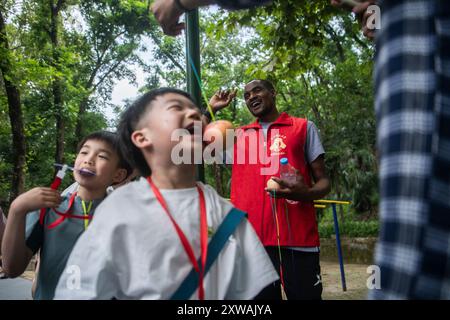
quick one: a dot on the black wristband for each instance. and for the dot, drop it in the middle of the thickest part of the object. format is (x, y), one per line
(181, 6)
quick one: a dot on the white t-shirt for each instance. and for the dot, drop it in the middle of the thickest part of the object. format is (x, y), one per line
(132, 251)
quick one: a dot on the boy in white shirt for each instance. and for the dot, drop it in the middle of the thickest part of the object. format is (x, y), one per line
(149, 235)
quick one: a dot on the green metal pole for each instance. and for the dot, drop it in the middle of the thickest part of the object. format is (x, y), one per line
(193, 52)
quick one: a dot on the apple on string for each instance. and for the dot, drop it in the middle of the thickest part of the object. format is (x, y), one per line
(217, 130)
(272, 185)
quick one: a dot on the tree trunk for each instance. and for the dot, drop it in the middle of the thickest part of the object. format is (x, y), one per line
(314, 106)
(79, 126)
(57, 89)
(15, 118)
(337, 42)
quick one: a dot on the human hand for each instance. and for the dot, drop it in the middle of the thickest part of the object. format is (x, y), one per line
(360, 9)
(167, 13)
(347, 4)
(363, 16)
(298, 191)
(222, 99)
(35, 199)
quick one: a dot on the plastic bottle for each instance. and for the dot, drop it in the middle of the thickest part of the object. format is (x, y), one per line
(287, 172)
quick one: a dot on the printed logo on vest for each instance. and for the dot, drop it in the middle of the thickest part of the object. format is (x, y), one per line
(278, 145)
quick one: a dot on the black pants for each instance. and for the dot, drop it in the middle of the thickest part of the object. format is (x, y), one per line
(301, 274)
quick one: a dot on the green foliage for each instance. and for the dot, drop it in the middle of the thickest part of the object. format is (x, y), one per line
(321, 67)
(322, 71)
(315, 55)
(351, 229)
(98, 41)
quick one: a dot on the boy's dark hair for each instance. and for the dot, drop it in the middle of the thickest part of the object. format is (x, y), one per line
(112, 139)
(129, 121)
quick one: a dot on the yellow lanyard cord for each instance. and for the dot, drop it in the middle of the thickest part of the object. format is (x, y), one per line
(86, 212)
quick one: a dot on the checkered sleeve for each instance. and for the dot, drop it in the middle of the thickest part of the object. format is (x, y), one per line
(412, 84)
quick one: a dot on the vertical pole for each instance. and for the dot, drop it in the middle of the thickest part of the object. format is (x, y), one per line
(193, 52)
(338, 245)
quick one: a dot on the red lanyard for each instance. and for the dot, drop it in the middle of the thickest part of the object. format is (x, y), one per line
(184, 240)
(66, 214)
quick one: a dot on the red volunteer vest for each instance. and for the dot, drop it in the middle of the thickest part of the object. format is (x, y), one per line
(254, 164)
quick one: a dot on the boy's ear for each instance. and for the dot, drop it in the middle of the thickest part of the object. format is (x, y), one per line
(119, 176)
(141, 138)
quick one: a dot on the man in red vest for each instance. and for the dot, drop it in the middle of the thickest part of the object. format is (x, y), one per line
(285, 221)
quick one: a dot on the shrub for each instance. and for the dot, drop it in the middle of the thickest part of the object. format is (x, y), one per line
(350, 229)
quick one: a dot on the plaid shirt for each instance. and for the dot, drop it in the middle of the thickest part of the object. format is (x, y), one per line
(412, 82)
(242, 4)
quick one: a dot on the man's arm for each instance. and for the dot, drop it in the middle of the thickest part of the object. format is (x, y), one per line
(220, 99)
(241, 4)
(359, 7)
(168, 12)
(322, 184)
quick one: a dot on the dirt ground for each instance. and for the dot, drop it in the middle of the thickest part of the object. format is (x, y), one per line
(355, 274)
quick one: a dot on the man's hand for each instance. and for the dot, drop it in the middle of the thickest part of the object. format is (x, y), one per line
(360, 9)
(222, 99)
(167, 13)
(298, 191)
(363, 15)
(35, 199)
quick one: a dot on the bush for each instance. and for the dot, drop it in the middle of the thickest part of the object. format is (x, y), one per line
(350, 229)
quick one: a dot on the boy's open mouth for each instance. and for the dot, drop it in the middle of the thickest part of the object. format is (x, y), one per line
(86, 172)
(191, 129)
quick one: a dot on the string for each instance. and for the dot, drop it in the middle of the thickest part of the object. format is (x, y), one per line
(286, 211)
(199, 81)
(283, 292)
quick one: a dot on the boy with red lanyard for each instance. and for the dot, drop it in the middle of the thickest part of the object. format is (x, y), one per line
(150, 237)
(56, 232)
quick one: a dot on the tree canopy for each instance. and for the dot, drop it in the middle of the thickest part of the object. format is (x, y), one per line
(62, 59)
